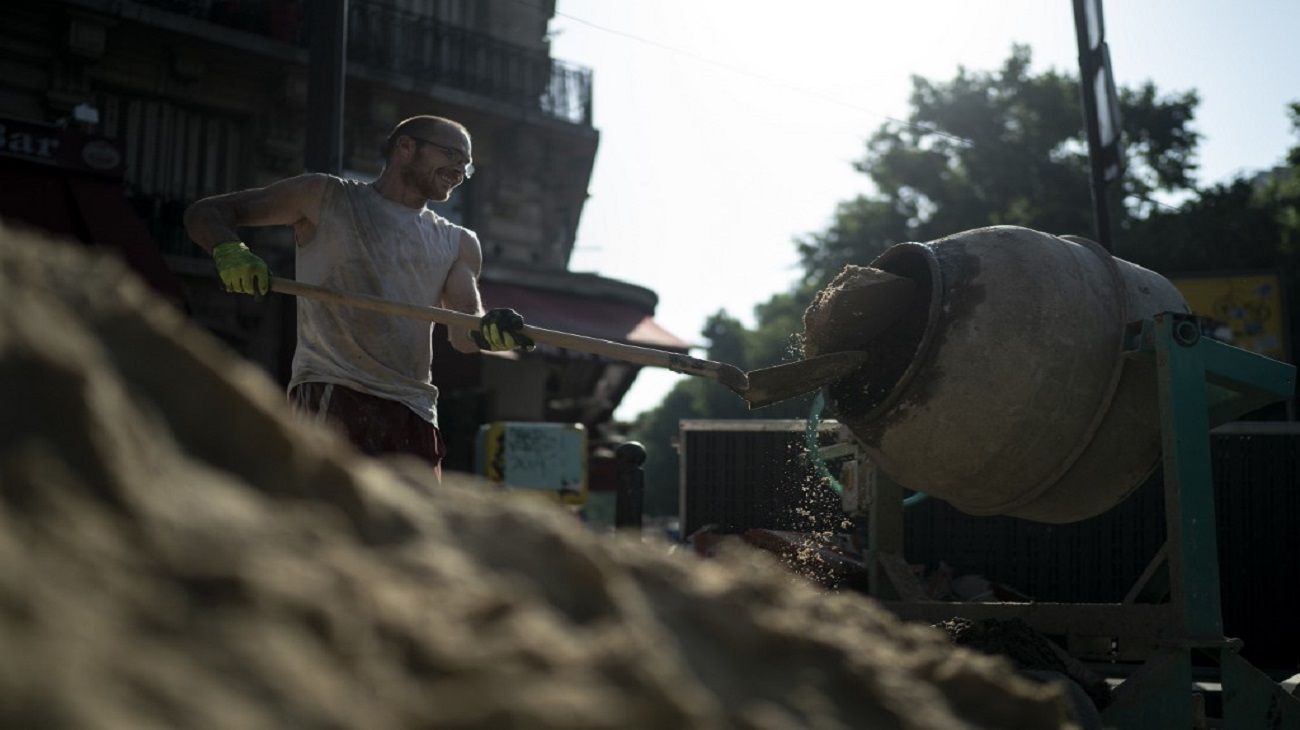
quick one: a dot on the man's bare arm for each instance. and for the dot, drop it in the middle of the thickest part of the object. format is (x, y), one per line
(460, 292)
(215, 220)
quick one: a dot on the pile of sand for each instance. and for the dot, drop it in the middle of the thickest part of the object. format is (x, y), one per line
(858, 305)
(175, 551)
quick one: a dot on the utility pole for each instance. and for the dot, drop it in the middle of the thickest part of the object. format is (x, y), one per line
(328, 26)
(1100, 111)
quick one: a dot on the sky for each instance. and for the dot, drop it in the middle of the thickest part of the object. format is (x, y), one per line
(729, 127)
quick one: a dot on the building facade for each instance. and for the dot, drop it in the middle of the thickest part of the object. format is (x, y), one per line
(207, 96)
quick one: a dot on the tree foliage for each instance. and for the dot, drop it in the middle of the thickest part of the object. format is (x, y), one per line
(1002, 147)
(1250, 223)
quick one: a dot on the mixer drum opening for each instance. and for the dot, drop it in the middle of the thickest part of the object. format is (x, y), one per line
(893, 354)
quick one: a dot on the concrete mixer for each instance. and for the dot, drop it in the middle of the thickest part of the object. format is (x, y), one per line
(1005, 390)
(1037, 376)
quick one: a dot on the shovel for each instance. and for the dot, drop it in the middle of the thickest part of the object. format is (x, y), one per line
(758, 387)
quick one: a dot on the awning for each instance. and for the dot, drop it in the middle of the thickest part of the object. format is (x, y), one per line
(590, 316)
(110, 221)
(38, 197)
(70, 185)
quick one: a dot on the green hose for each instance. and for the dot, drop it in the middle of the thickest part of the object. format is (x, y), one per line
(813, 448)
(814, 451)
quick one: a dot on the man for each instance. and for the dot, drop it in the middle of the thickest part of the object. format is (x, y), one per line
(365, 371)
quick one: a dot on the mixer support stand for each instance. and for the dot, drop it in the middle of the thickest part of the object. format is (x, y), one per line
(1199, 381)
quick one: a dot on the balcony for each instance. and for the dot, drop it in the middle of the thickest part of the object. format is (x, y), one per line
(386, 38)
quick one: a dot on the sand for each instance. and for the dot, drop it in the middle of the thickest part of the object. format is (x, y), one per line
(863, 309)
(177, 551)
(851, 311)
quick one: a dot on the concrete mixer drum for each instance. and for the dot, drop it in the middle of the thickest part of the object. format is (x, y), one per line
(1004, 389)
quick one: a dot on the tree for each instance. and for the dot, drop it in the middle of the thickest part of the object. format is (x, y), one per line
(1248, 223)
(1005, 147)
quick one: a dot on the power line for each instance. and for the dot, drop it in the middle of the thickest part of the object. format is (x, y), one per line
(1157, 203)
(928, 129)
(925, 128)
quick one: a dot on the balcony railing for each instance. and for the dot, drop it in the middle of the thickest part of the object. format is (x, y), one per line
(387, 38)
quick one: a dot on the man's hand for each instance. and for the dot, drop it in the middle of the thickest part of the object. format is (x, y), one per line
(241, 270)
(499, 330)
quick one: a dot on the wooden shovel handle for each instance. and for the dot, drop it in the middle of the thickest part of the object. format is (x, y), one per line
(728, 375)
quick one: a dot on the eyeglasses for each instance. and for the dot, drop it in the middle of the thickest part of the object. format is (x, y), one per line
(453, 155)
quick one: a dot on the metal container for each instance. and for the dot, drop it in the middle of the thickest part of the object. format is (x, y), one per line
(741, 474)
(1004, 390)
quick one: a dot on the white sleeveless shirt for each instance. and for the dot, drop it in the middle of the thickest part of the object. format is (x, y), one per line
(367, 244)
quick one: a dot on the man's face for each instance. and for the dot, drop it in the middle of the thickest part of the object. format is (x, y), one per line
(436, 161)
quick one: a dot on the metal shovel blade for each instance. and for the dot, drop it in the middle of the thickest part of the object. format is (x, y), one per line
(781, 382)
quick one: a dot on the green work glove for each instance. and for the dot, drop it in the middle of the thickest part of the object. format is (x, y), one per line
(241, 270)
(499, 330)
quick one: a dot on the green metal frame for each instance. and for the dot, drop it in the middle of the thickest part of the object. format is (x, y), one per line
(1200, 381)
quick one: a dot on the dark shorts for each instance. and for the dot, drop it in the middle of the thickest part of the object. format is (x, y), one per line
(374, 425)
